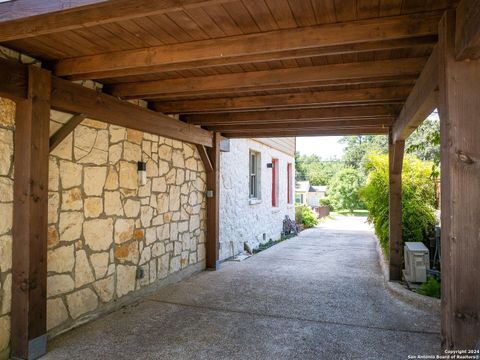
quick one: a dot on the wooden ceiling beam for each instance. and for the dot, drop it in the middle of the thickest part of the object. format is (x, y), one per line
(77, 99)
(328, 39)
(302, 125)
(307, 132)
(291, 115)
(268, 79)
(21, 19)
(364, 47)
(467, 30)
(384, 95)
(421, 102)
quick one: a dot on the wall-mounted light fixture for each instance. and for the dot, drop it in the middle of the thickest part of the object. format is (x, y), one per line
(142, 172)
(269, 165)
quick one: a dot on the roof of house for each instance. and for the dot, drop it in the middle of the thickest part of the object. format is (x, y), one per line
(305, 186)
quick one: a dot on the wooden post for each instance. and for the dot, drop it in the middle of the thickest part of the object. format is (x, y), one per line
(459, 107)
(29, 267)
(395, 150)
(211, 160)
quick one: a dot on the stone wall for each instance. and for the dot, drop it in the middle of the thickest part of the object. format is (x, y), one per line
(241, 221)
(7, 122)
(103, 226)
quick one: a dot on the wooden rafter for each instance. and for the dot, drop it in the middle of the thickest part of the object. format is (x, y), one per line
(285, 78)
(384, 95)
(328, 39)
(29, 18)
(77, 99)
(467, 32)
(421, 101)
(290, 115)
(311, 124)
(307, 132)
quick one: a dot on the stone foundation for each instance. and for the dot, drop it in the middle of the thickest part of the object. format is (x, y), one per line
(104, 229)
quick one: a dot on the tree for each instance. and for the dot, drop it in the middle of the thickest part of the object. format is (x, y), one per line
(343, 191)
(357, 147)
(425, 140)
(418, 198)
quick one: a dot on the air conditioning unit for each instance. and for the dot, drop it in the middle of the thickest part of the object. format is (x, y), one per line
(417, 262)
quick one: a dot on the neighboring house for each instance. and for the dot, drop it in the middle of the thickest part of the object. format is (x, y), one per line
(310, 195)
(256, 192)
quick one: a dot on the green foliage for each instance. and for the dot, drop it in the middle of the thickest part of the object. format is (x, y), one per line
(343, 191)
(430, 288)
(425, 141)
(357, 147)
(298, 213)
(418, 198)
(309, 218)
(314, 169)
(327, 202)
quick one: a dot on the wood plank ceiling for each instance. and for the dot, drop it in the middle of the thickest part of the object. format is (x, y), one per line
(253, 68)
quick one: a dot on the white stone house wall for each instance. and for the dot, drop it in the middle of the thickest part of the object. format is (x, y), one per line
(241, 221)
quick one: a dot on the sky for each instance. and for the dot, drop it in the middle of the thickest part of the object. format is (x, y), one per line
(326, 147)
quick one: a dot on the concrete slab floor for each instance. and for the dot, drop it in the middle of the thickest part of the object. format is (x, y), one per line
(317, 296)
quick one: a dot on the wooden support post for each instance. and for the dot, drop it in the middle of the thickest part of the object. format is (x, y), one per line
(211, 160)
(29, 267)
(395, 150)
(459, 108)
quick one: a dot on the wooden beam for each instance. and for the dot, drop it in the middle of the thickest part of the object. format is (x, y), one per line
(213, 205)
(327, 39)
(293, 115)
(421, 102)
(459, 109)
(396, 152)
(74, 98)
(307, 132)
(65, 130)
(267, 79)
(383, 95)
(13, 80)
(467, 32)
(305, 125)
(29, 18)
(202, 150)
(29, 252)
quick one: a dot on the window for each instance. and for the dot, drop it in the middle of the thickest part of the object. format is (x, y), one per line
(274, 182)
(289, 184)
(254, 174)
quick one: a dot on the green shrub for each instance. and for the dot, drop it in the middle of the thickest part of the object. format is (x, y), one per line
(418, 198)
(343, 190)
(431, 288)
(309, 218)
(298, 213)
(326, 202)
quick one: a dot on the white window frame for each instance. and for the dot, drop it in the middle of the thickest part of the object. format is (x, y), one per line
(254, 167)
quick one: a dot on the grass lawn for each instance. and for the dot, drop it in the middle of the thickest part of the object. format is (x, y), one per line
(348, 213)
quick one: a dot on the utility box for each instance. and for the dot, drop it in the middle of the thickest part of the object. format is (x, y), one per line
(417, 262)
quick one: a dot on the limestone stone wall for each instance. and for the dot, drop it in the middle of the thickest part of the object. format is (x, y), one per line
(242, 221)
(7, 122)
(103, 226)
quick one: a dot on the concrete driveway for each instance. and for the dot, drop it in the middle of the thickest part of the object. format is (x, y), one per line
(317, 296)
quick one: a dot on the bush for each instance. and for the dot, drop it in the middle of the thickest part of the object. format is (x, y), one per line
(326, 202)
(418, 198)
(309, 218)
(343, 191)
(431, 288)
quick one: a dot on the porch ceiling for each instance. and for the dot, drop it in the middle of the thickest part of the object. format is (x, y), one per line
(245, 68)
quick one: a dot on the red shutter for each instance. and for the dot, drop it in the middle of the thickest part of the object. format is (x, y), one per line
(274, 182)
(289, 184)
